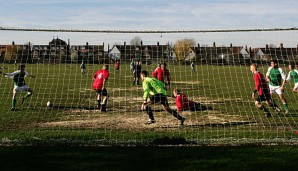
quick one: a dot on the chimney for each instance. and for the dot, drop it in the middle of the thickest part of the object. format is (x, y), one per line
(68, 42)
(87, 43)
(12, 42)
(214, 44)
(199, 45)
(231, 45)
(141, 43)
(281, 45)
(250, 51)
(157, 43)
(267, 47)
(124, 43)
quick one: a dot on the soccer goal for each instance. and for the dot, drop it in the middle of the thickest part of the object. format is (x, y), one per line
(105, 87)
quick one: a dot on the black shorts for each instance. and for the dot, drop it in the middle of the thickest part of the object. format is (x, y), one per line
(263, 98)
(137, 74)
(103, 92)
(159, 98)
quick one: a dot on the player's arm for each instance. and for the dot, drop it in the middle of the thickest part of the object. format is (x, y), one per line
(268, 74)
(145, 96)
(103, 84)
(257, 86)
(11, 75)
(289, 76)
(283, 76)
(154, 73)
(105, 78)
(28, 75)
(283, 84)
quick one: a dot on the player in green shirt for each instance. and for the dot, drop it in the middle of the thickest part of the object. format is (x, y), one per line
(83, 68)
(294, 75)
(19, 84)
(277, 80)
(154, 92)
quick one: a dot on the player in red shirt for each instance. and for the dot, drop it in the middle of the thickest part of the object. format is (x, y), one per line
(99, 85)
(162, 73)
(262, 87)
(182, 102)
(117, 65)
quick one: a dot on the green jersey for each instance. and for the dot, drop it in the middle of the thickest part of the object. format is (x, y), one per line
(18, 77)
(276, 75)
(153, 86)
(294, 75)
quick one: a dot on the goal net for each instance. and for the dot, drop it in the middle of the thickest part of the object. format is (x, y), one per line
(55, 101)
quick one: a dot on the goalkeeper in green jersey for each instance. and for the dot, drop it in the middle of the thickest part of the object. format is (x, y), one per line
(293, 74)
(277, 80)
(19, 84)
(154, 92)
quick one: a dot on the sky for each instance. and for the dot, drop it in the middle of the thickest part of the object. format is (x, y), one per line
(149, 15)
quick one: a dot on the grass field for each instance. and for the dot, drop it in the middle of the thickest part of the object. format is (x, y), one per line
(232, 120)
(149, 158)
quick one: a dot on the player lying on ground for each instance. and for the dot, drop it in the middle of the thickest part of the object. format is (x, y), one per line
(182, 102)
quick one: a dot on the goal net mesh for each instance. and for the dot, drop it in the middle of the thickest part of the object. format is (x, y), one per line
(210, 67)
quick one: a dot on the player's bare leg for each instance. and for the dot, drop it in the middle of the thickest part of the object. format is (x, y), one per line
(13, 103)
(104, 104)
(98, 101)
(284, 103)
(29, 93)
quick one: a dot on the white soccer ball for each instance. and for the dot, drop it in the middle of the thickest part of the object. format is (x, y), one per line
(49, 104)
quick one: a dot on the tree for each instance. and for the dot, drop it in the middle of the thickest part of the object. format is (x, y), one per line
(136, 41)
(272, 45)
(11, 53)
(182, 48)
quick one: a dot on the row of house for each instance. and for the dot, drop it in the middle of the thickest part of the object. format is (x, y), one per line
(58, 51)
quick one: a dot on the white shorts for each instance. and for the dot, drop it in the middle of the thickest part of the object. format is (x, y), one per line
(18, 88)
(275, 89)
(295, 86)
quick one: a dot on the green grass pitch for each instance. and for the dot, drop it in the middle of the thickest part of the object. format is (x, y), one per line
(73, 119)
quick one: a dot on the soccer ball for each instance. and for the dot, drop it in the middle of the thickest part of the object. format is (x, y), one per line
(49, 104)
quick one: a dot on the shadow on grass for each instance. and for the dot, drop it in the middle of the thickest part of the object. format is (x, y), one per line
(211, 125)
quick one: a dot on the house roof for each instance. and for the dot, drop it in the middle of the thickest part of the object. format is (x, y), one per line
(57, 42)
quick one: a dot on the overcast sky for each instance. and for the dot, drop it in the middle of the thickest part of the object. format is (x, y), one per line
(146, 15)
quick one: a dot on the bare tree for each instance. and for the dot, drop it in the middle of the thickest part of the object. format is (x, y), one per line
(182, 48)
(272, 45)
(136, 41)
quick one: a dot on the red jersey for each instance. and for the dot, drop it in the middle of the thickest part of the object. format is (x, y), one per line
(117, 65)
(161, 74)
(261, 84)
(99, 77)
(183, 103)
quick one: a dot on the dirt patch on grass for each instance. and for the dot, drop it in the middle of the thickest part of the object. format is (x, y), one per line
(136, 120)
